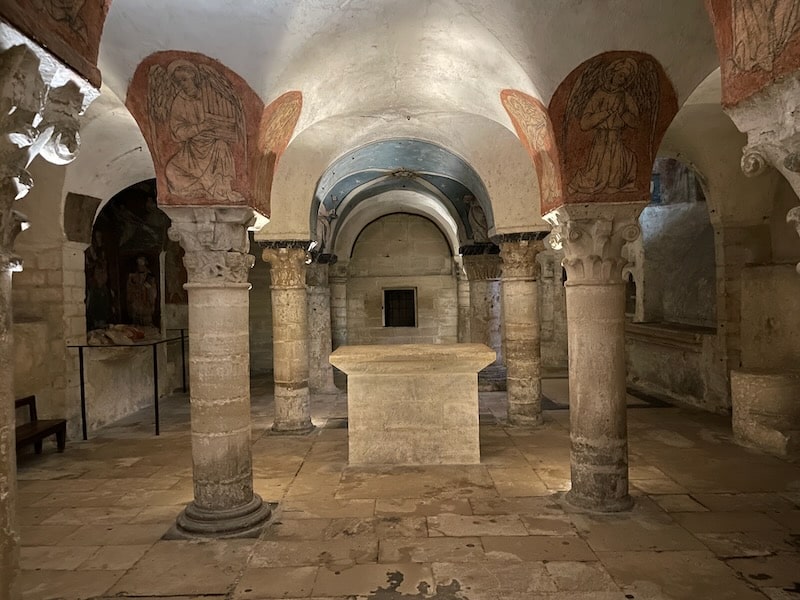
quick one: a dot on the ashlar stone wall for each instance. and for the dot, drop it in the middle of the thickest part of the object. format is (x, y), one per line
(402, 251)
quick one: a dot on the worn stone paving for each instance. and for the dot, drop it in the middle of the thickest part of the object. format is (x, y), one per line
(712, 520)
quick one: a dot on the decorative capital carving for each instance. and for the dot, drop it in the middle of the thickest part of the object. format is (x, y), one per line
(288, 267)
(793, 218)
(215, 242)
(754, 161)
(771, 120)
(40, 101)
(519, 259)
(482, 266)
(592, 237)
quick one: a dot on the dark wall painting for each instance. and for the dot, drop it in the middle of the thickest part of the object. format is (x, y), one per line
(123, 270)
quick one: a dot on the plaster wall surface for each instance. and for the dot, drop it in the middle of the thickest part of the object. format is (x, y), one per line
(402, 251)
(679, 266)
(770, 317)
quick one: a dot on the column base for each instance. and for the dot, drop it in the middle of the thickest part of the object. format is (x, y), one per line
(242, 522)
(603, 505)
(525, 420)
(279, 429)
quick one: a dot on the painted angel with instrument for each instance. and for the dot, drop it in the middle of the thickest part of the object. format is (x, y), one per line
(205, 118)
(607, 99)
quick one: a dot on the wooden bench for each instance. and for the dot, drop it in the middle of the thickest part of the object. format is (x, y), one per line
(36, 430)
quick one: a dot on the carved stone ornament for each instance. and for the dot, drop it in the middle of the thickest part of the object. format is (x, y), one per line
(754, 161)
(481, 267)
(519, 259)
(771, 120)
(288, 267)
(215, 241)
(592, 238)
(793, 218)
(40, 101)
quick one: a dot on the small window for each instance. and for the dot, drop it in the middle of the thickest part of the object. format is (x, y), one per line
(400, 308)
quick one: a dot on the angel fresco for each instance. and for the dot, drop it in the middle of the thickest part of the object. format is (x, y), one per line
(535, 125)
(608, 98)
(761, 30)
(206, 118)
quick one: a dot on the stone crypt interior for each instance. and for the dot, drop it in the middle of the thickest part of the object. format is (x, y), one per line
(371, 300)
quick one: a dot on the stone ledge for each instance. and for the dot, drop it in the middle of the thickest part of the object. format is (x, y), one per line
(671, 335)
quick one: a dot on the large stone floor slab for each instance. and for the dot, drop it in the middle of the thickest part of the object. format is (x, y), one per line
(712, 520)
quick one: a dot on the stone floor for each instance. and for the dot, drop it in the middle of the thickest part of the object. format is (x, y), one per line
(712, 520)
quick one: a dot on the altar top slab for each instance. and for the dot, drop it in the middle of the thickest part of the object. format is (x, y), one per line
(413, 358)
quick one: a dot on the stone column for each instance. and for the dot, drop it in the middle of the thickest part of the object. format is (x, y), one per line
(793, 217)
(41, 101)
(216, 244)
(592, 237)
(320, 370)
(289, 337)
(337, 276)
(520, 299)
(463, 301)
(483, 271)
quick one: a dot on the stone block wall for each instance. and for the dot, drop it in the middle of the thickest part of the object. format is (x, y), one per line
(552, 311)
(402, 251)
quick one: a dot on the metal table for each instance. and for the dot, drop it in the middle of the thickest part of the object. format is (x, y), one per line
(154, 344)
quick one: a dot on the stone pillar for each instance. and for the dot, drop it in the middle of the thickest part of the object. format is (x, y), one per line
(592, 237)
(520, 299)
(483, 271)
(41, 101)
(463, 301)
(216, 244)
(337, 276)
(289, 337)
(320, 370)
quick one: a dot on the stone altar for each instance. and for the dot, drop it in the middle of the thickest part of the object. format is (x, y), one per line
(413, 404)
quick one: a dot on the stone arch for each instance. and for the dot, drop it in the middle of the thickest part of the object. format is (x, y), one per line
(491, 149)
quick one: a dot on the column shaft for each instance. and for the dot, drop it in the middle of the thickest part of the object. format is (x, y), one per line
(338, 285)
(320, 374)
(290, 339)
(463, 305)
(597, 396)
(520, 300)
(485, 323)
(9, 538)
(220, 395)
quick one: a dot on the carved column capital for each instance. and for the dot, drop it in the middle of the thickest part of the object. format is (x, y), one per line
(482, 266)
(40, 101)
(287, 267)
(771, 120)
(215, 242)
(592, 237)
(519, 259)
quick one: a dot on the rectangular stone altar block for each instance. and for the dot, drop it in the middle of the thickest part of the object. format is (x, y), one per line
(413, 404)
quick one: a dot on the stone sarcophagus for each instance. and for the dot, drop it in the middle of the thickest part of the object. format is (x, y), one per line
(413, 404)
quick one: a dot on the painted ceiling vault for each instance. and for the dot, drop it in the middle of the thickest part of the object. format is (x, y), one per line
(407, 96)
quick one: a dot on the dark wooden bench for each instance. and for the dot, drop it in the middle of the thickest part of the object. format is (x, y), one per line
(36, 430)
